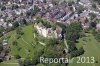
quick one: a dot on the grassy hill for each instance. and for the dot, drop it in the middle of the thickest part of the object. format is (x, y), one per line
(92, 49)
(29, 47)
(10, 63)
(26, 46)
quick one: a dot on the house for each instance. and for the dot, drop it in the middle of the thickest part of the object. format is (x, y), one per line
(85, 23)
(55, 12)
(1, 22)
(98, 26)
(98, 17)
(62, 4)
(2, 56)
(58, 32)
(61, 14)
(84, 2)
(5, 44)
(41, 29)
(48, 32)
(67, 16)
(5, 25)
(84, 14)
(10, 25)
(98, 6)
(50, 5)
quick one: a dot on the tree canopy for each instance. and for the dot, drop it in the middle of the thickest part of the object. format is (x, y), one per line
(73, 31)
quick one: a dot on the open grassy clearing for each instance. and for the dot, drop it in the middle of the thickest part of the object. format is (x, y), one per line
(91, 47)
(10, 63)
(26, 42)
(1, 64)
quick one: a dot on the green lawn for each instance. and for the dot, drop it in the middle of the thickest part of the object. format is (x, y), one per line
(91, 47)
(26, 43)
(1, 64)
(10, 63)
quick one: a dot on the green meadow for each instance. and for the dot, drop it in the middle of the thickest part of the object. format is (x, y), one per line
(29, 47)
(92, 49)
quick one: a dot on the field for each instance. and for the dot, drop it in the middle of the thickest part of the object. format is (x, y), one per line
(26, 43)
(26, 46)
(92, 49)
(29, 47)
(9, 63)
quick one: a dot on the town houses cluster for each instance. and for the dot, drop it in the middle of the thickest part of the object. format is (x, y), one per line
(12, 11)
(48, 32)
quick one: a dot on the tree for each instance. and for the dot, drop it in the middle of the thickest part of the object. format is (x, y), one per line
(36, 58)
(27, 62)
(55, 51)
(15, 25)
(34, 11)
(3, 8)
(71, 8)
(96, 35)
(62, 26)
(80, 9)
(19, 48)
(0, 41)
(38, 19)
(73, 31)
(34, 61)
(92, 16)
(15, 43)
(55, 2)
(44, 1)
(94, 5)
(93, 24)
(24, 21)
(81, 51)
(77, 52)
(46, 23)
(72, 34)
(15, 7)
(52, 42)
(98, 1)
(19, 31)
(17, 56)
(1, 47)
(70, 3)
(1, 32)
(71, 45)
